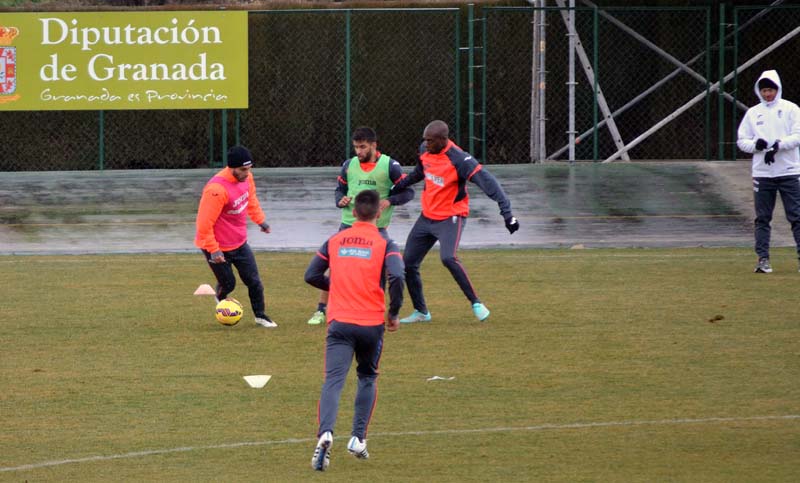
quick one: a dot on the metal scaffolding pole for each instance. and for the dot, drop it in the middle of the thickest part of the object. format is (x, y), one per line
(571, 83)
(714, 87)
(534, 126)
(542, 154)
(538, 73)
(658, 50)
(663, 81)
(601, 98)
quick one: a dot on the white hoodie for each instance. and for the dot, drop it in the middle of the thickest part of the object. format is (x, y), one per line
(778, 120)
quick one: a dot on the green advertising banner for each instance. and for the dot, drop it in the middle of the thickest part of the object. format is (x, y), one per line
(123, 60)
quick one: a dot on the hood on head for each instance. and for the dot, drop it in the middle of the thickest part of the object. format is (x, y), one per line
(773, 76)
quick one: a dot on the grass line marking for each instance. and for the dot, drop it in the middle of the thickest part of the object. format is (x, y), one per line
(540, 427)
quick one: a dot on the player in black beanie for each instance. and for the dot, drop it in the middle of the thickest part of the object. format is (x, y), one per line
(765, 83)
(228, 200)
(239, 156)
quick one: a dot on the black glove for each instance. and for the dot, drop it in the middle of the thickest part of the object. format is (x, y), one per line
(512, 224)
(761, 144)
(777, 145)
(265, 227)
(769, 157)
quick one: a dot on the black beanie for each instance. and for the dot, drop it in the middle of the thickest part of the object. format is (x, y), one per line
(239, 156)
(766, 83)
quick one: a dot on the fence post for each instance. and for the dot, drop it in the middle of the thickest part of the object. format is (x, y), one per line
(237, 121)
(571, 82)
(708, 84)
(595, 61)
(224, 137)
(534, 123)
(734, 112)
(347, 93)
(484, 62)
(457, 65)
(101, 155)
(721, 99)
(211, 138)
(471, 75)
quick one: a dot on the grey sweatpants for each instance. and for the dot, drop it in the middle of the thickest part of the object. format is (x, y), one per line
(342, 343)
(420, 240)
(765, 191)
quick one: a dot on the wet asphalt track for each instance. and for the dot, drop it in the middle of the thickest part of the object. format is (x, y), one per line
(647, 204)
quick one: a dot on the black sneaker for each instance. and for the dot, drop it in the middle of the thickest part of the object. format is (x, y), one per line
(763, 266)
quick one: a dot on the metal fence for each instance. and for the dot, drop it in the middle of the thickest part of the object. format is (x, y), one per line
(315, 75)
(766, 38)
(633, 58)
(647, 78)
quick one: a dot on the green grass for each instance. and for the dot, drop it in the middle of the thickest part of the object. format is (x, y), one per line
(595, 365)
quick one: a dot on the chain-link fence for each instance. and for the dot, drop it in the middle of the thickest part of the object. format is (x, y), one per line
(770, 37)
(627, 52)
(315, 75)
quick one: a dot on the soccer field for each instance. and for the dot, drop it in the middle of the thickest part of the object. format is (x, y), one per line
(595, 365)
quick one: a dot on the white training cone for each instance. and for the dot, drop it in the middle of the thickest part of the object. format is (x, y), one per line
(205, 289)
(257, 381)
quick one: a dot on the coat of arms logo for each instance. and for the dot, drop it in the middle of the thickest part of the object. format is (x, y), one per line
(8, 63)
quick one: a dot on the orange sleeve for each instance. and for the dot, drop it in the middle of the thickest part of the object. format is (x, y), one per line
(253, 206)
(211, 204)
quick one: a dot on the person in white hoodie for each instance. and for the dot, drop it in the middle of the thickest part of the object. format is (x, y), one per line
(770, 131)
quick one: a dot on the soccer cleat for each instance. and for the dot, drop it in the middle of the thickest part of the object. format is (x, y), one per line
(322, 453)
(265, 322)
(763, 266)
(317, 318)
(358, 448)
(417, 316)
(480, 311)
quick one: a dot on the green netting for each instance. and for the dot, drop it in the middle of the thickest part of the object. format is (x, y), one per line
(297, 88)
(315, 75)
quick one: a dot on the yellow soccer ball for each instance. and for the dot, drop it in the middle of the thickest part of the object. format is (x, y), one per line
(229, 311)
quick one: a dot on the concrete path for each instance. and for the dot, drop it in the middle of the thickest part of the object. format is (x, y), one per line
(652, 204)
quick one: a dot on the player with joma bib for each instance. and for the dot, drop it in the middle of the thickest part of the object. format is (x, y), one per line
(368, 169)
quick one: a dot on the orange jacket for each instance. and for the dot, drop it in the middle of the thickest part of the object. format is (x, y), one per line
(214, 198)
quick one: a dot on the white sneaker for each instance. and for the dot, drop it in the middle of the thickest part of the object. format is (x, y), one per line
(265, 322)
(480, 311)
(358, 448)
(322, 453)
(763, 266)
(416, 316)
